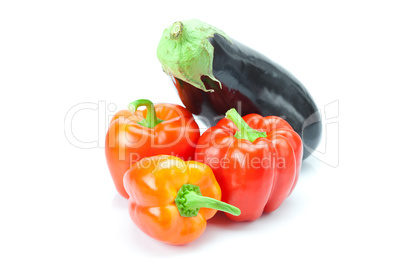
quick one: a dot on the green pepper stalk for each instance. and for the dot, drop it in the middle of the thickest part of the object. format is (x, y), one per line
(150, 120)
(189, 200)
(245, 131)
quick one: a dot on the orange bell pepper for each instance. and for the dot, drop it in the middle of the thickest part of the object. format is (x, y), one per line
(159, 129)
(171, 199)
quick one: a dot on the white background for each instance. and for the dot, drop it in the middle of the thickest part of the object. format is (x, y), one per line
(58, 204)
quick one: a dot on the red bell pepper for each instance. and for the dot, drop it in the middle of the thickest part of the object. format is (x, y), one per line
(167, 129)
(256, 161)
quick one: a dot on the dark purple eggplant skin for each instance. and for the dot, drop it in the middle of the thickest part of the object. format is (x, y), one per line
(252, 83)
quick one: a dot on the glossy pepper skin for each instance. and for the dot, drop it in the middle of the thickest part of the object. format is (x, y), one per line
(159, 129)
(244, 79)
(171, 199)
(256, 161)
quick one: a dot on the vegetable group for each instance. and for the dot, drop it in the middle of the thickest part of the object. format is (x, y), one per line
(214, 73)
(174, 179)
(256, 161)
(171, 200)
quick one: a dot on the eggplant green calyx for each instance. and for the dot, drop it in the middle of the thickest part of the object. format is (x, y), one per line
(150, 121)
(244, 130)
(189, 200)
(185, 52)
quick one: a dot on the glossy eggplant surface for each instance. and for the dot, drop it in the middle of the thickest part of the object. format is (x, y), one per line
(250, 82)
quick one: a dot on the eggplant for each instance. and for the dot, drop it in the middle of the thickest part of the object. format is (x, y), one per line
(214, 73)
